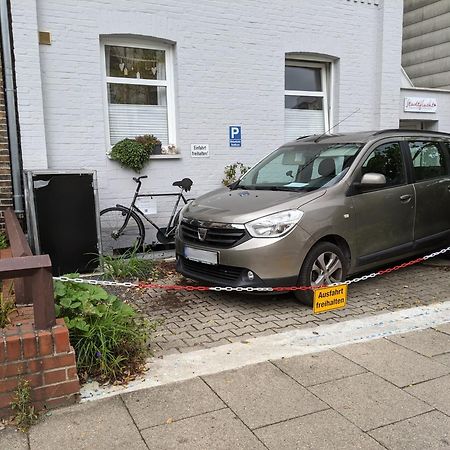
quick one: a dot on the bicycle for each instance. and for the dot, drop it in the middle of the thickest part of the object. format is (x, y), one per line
(122, 227)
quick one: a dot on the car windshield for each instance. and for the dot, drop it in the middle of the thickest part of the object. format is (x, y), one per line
(304, 167)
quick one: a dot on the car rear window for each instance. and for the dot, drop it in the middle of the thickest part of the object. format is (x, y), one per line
(428, 159)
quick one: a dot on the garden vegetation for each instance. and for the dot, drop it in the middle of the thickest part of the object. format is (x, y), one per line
(109, 337)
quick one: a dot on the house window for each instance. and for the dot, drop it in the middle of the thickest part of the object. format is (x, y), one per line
(139, 91)
(305, 99)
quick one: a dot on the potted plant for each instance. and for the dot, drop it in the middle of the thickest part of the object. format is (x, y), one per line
(151, 143)
(131, 153)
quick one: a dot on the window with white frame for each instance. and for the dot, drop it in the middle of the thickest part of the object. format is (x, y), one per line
(139, 90)
(305, 99)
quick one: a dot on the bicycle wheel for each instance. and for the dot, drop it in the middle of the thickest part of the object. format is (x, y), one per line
(117, 238)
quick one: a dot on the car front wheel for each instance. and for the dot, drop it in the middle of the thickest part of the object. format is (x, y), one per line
(324, 264)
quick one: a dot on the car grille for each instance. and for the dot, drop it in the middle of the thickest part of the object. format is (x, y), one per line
(217, 235)
(227, 274)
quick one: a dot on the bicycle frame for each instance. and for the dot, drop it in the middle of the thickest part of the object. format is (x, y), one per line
(170, 226)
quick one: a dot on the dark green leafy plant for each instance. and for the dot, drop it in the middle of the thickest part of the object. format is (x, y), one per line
(25, 416)
(3, 240)
(148, 141)
(131, 154)
(233, 172)
(109, 338)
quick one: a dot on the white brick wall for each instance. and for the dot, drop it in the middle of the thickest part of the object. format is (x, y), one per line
(229, 70)
(28, 80)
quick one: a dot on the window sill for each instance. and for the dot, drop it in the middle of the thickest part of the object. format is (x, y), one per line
(177, 156)
(165, 156)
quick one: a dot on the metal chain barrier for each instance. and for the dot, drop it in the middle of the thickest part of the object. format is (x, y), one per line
(246, 289)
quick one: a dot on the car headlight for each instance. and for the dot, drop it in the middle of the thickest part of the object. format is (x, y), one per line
(274, 225)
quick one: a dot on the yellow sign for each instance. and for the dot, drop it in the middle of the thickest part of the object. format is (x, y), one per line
(328, 298)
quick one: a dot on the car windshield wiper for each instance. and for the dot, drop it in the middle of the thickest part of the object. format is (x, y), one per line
(284, 188)
(274, 188)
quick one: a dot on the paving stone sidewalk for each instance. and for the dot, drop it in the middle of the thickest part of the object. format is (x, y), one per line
(391, 393)
(197, 320)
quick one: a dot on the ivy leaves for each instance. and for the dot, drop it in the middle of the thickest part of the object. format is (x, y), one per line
(131, 154)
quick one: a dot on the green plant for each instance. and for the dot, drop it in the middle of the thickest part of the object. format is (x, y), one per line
(25, 415)
(109, 338)
(131, 154)
(148, 141)
(128, 265)
(3, 240)
(7, 307)
(234, 172)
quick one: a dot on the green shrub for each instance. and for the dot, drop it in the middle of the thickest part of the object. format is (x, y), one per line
(3, 240)
(127, 265)
(233, 172)
(109, 338)
(131, 154)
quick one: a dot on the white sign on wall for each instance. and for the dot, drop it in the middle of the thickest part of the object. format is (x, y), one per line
(200, 150)
(147, 205)
(420, 104)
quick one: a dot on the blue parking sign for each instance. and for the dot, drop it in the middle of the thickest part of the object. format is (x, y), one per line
(235, 135)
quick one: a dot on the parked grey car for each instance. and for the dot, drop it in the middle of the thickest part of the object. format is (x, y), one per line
(320, 209)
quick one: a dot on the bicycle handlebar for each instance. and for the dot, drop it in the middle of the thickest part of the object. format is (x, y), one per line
(140, 178)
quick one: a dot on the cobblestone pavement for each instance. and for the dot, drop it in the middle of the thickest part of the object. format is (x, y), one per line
(197, 320)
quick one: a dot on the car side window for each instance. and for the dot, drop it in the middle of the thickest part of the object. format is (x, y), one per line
(428, 160)
(386, 159)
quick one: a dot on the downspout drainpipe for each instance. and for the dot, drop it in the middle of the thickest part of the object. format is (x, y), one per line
(13, 131)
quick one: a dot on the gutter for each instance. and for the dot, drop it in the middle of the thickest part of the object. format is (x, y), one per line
(11, 107)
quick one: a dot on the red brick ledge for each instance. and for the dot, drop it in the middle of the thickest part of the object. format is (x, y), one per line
(44, 358)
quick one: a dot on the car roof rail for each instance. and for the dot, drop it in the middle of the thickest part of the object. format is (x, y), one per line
(304, 137)
(400, 130)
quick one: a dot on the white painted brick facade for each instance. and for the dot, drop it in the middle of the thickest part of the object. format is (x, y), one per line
(229, 69)
(28, 81)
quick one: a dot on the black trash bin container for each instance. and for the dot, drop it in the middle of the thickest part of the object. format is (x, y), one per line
(62, 218)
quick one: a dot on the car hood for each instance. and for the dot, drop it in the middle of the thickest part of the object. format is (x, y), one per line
(241, 206)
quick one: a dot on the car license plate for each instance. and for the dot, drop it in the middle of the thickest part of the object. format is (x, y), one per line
(204, 256)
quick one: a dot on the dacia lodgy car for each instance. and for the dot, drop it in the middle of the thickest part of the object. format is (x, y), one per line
(321, 208)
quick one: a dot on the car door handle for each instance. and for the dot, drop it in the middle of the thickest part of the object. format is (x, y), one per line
(405, 198)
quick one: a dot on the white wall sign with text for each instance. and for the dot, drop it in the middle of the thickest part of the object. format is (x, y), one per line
(200, 150)
(420, 104)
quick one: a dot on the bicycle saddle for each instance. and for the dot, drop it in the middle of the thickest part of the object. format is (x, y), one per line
(184, 184)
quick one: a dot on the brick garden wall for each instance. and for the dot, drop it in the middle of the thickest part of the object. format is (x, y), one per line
(44, 358)
(5, 164)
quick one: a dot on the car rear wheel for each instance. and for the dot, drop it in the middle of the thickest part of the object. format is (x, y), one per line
(324, 264)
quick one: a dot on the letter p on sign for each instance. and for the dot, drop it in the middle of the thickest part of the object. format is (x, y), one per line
(235, 131)
(235, 136)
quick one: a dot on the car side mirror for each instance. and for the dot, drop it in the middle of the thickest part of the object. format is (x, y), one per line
(369, 181)
(373, 180)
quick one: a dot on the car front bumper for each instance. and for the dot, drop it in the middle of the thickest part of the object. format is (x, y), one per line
(272, 261)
